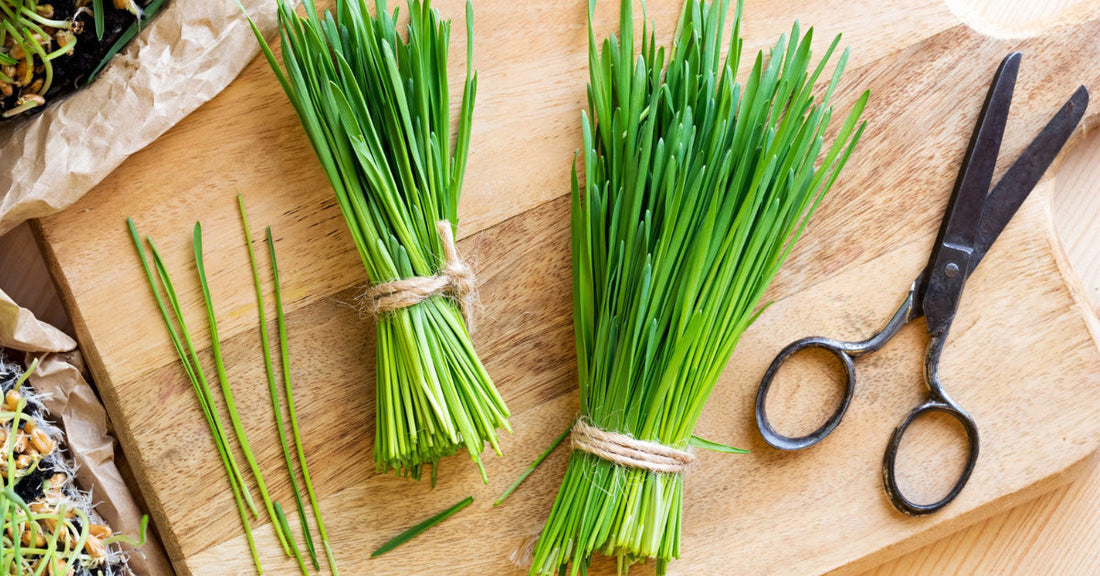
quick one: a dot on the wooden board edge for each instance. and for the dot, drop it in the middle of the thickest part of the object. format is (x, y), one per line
(1074, 285)
(110, 400)
(1073, 472)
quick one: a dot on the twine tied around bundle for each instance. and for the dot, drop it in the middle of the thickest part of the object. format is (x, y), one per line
(628, 451)
(455, 279)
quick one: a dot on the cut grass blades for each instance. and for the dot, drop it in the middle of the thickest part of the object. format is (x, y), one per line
(285, 353)
(376, 109)
(422, 527)
(227, 391)
(695, 190)
(288, 390)
(557, 441)
(276, 407)
(189, 359)
(185, 348)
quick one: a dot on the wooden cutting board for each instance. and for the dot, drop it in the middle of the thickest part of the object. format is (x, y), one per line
(1022, 356)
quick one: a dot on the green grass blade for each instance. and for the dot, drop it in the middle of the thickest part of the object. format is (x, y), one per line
(280, 517)
(284, 351)
(421, 527)
(697, 442)
(227, 392)
(557, 441)
(276, 407)
(239, 490)
(98, 12)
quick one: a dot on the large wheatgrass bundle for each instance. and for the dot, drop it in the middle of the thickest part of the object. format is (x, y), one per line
(695, 189)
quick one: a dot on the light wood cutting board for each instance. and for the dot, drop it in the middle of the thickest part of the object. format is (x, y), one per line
(1022, 356)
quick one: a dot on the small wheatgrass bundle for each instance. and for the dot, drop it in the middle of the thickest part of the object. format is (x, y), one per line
(696, 188)
(376, 110)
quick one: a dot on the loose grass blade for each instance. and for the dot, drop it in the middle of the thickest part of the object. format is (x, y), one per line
(198, 381)
(284, 352)
(421, 527)
(227, 391)
(276, 407)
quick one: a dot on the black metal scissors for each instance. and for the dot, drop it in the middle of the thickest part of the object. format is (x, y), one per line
(975, 217)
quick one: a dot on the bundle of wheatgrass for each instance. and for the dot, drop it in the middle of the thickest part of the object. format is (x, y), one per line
(695, 189)
(376, 108)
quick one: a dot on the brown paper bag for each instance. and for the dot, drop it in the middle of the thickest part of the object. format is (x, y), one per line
(184, 57)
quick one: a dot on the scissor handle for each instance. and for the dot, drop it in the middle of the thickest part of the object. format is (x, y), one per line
(939, 401)
(889, 462)
(843, 351)
(838, 349)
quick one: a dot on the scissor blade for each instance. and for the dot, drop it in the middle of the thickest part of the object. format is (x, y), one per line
(950, 259)
(965, 207)
(1025, 173)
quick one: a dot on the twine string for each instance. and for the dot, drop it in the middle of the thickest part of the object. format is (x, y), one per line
(455, 279)
(628, 451)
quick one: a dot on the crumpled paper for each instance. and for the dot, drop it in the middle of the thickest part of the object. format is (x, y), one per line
(74, 407)
(184, 57)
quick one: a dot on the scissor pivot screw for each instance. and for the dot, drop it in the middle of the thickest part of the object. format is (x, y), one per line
(951, 270)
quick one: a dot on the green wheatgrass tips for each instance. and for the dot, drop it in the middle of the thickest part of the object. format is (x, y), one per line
(284, 352)
(375, 105)
(227, 391)
(531, 468)
(695, 189)
(180, 336)
(185, 348)
(273, 391)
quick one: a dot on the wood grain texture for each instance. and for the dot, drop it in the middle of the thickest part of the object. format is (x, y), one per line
(824, 507)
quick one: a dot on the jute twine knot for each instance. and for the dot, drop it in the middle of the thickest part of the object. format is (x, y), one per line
(628, 451)
(455, 279)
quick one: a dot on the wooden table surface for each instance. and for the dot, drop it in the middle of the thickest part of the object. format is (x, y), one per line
(1057, 533)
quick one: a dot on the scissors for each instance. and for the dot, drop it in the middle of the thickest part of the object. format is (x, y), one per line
(975, 217)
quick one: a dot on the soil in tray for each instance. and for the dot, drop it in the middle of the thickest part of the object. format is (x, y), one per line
(72, 70)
